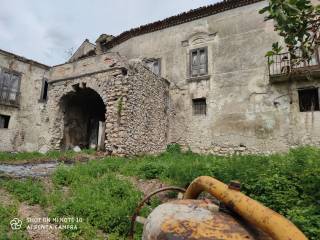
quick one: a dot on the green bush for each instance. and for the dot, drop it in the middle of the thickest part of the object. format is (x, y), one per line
(174, 148)
(151, 170)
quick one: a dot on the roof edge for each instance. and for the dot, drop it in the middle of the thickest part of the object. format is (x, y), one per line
(180, 19)
(25, 60)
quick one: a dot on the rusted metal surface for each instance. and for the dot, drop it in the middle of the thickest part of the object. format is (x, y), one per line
(259, 216)
(146, 199)
(196, 219)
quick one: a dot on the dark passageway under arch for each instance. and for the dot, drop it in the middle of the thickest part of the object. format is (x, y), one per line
(84, 119)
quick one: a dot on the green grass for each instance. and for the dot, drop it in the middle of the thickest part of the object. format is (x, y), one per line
(288, 183)
(26, 190)
(26, 157)
(7, 213)
(97, 196)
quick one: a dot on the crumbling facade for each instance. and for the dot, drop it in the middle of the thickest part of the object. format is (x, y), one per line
(199, 79)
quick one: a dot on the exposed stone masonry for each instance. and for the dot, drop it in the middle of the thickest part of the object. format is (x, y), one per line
(136, 102)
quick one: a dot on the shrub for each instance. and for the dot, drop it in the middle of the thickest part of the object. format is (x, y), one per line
(174, 148)
(28, 190)
(151, 170)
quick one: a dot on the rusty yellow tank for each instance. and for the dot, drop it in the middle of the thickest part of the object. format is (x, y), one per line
(240, 218)
(197, 219)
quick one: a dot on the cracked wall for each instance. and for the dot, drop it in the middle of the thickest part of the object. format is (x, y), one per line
(245, 112)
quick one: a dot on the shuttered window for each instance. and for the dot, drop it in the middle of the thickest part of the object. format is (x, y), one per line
(199, 62)
(9, 86)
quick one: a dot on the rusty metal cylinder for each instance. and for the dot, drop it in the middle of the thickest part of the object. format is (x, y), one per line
(259, 216)
(196, 219)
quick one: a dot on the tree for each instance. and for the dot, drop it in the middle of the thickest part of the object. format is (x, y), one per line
(298, 22)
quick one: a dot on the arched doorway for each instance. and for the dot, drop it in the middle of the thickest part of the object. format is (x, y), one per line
(84, 119)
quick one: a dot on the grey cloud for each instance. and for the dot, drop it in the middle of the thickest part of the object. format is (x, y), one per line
(45, 30)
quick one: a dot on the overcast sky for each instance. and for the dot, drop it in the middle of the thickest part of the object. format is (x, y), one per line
(45, 30)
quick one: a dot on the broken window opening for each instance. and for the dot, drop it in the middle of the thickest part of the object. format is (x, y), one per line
(4, 121)
(9, 86)
(199, 62)
(309, 99)
(44, 90)
(154, 65)
(199, 106)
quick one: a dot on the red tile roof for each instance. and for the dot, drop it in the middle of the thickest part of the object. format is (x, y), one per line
(180, 18)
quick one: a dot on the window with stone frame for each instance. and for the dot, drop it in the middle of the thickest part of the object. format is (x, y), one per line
(9, 86)
(154, 65)
(199, 62)
(309, 99)
(199, 106)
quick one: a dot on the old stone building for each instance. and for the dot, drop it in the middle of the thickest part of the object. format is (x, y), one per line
(199, 79)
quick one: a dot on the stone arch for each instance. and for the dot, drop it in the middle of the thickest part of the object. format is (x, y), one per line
(83, 113)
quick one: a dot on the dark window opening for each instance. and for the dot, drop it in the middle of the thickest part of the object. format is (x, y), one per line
(4, 121)
(124, 71)
(199, 106)
(199, 62)
(154, 65)
(308, 100)
(44, 90)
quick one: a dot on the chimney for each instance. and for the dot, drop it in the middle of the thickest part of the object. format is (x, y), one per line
(101, 43)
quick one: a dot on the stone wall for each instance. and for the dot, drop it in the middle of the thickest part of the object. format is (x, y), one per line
(27, 126)
(143, 112)
(135, 100)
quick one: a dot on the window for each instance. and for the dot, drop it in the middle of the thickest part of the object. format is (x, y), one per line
(44, 90)
(154, 66)
(199, 106)
(308, 99)
(4, 121)
(9, 86)
(199, 62)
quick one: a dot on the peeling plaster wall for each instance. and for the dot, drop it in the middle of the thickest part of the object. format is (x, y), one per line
(242, 115)
(27, 126)
(136, 121)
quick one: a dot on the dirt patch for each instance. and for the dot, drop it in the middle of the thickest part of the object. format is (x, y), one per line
(36, 212)
(6, 198)
(149, 186)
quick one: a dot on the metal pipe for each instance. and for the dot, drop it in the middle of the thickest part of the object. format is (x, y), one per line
(146, 199)
(272, 223)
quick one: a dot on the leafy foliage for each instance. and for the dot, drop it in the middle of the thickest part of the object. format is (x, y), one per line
(298, 22)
